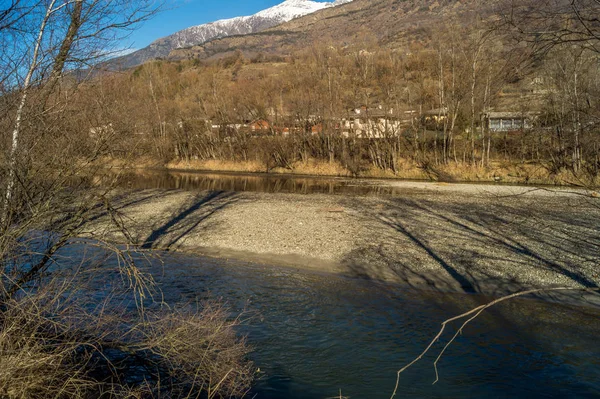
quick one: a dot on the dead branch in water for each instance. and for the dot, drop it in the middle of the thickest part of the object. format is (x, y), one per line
(474, 313)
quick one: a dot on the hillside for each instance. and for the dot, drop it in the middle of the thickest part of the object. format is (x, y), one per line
(197, 35)
(391, 23)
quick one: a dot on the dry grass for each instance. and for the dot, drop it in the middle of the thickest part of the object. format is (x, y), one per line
(319, 168)
(312, 167)
(498, 171)
(504, 171)
(221, 166)
(36, 351)
(138, 162)
(56, 344)
(201, 349)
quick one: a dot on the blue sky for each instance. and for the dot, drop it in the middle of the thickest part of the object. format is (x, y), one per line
(181, 14)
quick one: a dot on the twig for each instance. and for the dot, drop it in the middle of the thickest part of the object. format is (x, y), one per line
(475, 312)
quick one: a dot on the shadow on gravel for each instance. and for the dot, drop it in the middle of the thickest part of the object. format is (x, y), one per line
(118, 203)
(138, 217)
(187, 218)
(478, 246)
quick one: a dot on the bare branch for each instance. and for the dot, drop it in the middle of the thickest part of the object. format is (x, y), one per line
(474, 313)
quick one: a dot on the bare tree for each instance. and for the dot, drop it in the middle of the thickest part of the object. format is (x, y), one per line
(548, 23)
(54, 37)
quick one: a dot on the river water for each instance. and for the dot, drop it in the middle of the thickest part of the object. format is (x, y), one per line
(315, 335)
(255, 182)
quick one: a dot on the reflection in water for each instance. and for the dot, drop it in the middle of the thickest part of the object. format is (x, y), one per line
(316, 334)
(146, 179)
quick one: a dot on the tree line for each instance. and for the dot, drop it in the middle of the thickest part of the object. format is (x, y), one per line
(201, 110)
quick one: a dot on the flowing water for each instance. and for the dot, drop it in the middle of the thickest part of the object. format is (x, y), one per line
(316, 334)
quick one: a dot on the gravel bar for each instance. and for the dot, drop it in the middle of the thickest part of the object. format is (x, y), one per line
(452, 237)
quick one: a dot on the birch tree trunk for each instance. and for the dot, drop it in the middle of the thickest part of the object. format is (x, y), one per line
(12, 159)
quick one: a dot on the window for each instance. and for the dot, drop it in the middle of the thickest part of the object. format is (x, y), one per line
(495, 124)
(517, 123)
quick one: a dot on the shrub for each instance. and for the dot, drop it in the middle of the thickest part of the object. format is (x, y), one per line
(55, 345)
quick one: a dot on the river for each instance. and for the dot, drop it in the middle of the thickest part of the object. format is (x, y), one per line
(253, 182)
(316, 335)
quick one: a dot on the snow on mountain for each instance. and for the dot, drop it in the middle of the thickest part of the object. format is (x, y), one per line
(291, 9)
(199, 34)
(265, 19)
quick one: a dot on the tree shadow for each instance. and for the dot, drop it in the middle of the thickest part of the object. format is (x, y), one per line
(520, 237)
(477, 246)
(187, 218)
(117, 203)
(463, 282)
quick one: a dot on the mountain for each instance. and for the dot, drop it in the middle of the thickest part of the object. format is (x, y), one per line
(197, 35)
(390, 23)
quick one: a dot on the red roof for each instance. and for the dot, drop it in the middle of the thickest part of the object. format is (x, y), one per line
(260, 125)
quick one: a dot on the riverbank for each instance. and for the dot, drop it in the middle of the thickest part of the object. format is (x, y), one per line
(473, 238)
(504, 172)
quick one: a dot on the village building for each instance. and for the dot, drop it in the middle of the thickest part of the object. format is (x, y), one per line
(317, 129)
(508, 121)
(377, 122)
(434, 118)
(99, 132)
(260, 126)
(284, 131)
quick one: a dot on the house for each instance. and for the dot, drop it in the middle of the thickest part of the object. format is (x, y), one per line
(284, 131)
(376, 122)
(508, 121)
(317, 129)
(435, 118)
(101, 132)
(227, 127)
(260, 126)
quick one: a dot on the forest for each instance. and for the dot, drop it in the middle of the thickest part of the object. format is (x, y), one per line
(423, 110)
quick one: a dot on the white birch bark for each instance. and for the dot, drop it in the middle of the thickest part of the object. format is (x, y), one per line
(12, 163)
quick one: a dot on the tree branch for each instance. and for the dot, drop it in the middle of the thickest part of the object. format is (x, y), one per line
(475, 313)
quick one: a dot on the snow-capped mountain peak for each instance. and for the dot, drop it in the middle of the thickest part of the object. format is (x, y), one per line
(291, 9)
(262, 20)
(195, 35)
